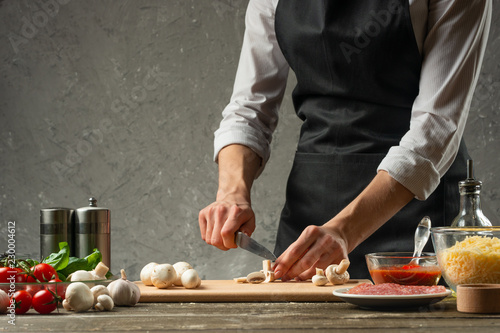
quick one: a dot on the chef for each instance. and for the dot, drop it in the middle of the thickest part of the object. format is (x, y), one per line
(383, 89)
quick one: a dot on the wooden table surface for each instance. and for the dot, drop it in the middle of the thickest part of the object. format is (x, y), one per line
(258, 317)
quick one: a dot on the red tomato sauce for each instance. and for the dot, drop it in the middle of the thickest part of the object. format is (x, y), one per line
(408, 274)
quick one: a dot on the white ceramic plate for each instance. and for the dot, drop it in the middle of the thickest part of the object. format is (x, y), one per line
(390, 301)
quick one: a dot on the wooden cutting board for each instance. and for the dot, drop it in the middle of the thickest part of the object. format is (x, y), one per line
(231, 291)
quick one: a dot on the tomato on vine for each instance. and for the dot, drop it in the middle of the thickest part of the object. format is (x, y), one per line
(45, 302)
(22, 301)
(44, 272)
(6, 274)
(57, 288)
(33, 287)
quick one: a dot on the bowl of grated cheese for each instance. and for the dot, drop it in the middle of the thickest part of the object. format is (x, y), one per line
(468, 255)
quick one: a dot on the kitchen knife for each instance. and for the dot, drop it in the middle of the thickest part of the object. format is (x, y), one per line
(247, 243)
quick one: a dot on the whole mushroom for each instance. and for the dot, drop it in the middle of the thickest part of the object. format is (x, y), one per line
(337, 274)
(180, 267)
(104, 303)
(319, 279)
(163, 276)
(146, 273)
(100, 271)
(190, 279)
(79, 298)
(99, 290)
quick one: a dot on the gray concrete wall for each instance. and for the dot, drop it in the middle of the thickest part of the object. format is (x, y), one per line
(119, 100)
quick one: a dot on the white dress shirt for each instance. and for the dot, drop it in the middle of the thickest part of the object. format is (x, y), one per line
(451, 37)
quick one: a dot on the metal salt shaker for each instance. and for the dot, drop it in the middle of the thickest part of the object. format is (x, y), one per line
(92, 230)
(56, 225)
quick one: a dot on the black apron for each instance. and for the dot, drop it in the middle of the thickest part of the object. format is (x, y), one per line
(358, 68)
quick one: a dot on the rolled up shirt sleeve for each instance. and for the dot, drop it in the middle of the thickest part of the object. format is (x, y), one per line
(251, 116)
(452, 55)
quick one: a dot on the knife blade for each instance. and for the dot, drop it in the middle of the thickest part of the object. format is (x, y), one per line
(251, 245)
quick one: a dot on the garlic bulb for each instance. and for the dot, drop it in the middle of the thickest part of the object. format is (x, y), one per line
(124, 292)
(4, 301)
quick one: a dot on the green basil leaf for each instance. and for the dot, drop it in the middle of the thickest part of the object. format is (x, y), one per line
(25, 264)
(88, 263)
(59, 260)
(93, 259)
(32, 262)
(61, 276)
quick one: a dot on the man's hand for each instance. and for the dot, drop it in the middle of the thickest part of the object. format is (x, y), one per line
(220, 221)
(317, 247)
(232, 209)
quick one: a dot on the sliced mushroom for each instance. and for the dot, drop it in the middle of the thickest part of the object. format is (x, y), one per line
(256, 277)
(268, 271)
(337, 274)
(240, 279)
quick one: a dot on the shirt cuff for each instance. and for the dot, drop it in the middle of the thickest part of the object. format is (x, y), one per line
(412, 171)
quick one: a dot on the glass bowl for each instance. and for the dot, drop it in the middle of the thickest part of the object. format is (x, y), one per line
(403, 268)
(468, 255)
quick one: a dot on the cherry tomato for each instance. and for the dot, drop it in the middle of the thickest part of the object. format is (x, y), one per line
(44, 302)
(22, 300)
(34, 287)
(21, 275)
(44, 272)
(6, 274)
(61, 288)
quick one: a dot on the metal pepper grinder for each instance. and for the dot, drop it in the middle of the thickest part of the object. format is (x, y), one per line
(92, 230)
(56, 225)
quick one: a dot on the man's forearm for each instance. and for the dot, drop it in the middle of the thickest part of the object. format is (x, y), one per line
(238, 166)
(380, 200)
